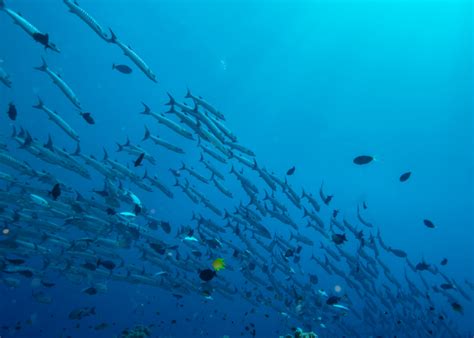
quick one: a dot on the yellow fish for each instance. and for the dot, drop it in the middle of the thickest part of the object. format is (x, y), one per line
(218, 264)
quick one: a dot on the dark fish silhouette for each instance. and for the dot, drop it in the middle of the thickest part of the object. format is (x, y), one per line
(88, 118)
(363, 159)
(90, 291)
(207, 275)
(139, 160)
(428, 223)
(333, 300)
(339, 238)
(404, 177)
(56, 192)
(444, 261)
(124, 69)
(291, 171)
(12, 112)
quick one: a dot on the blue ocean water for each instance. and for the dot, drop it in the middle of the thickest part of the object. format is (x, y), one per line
(310, 84)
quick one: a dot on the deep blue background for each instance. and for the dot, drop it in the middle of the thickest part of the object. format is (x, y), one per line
(305, 83)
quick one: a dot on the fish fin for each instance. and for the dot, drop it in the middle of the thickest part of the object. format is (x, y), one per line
(147, 109)
(43, 67)
(171, 101)
(188, 94)
(113, 37)
(40, 104)
(147, 134)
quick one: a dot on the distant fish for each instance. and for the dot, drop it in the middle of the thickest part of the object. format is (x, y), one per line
(428, 223)
(339, 238)
(88, 117)
(333, 300)
(12, 112)
(404, 177)
(56, 191)
(207, 274)
(124, 69)
(422, 266)
(444, 261)
(291, 171)
(90, 291)
(139, 160)
(363, 159)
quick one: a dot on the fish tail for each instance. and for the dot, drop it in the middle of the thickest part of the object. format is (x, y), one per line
(78, 150)
(146, 174)
(147, 134)
(147, 109)
(120, 147)
(171, 101)
(113, 66)
(176, 184)
(113, 37)
(40, 104)
(305, 212)
(188, 94)
(106, 155)
(43, 67)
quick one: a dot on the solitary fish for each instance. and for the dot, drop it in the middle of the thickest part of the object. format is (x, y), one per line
(404, 177)
(444, 261)
(124, 69)
(363, 159)
(291, 171)
(12, 113)
(428, 223)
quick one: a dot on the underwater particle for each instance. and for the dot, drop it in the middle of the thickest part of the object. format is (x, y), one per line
(405, 176)
(291, 171)
(218, 264)
(428, 223)
(5, 231)
(363, 159)
(337, 288)
(124, 69)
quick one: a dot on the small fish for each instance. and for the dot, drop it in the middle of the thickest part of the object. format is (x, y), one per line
(12, 112)
(457, 307)
(444, 261)
(139, 160)
(124, 69)
(447, 286)
(428, 223)
(56, 191)
(165, 226)
(88, 117)
(109, 265)
(363, 159)
(291, 171)
(101, 326)
(15, 261)
(90, 291)
(207, 274)
(404, 177)
(339, 238)
(333, 300)
(47, 284)
(422, 266)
